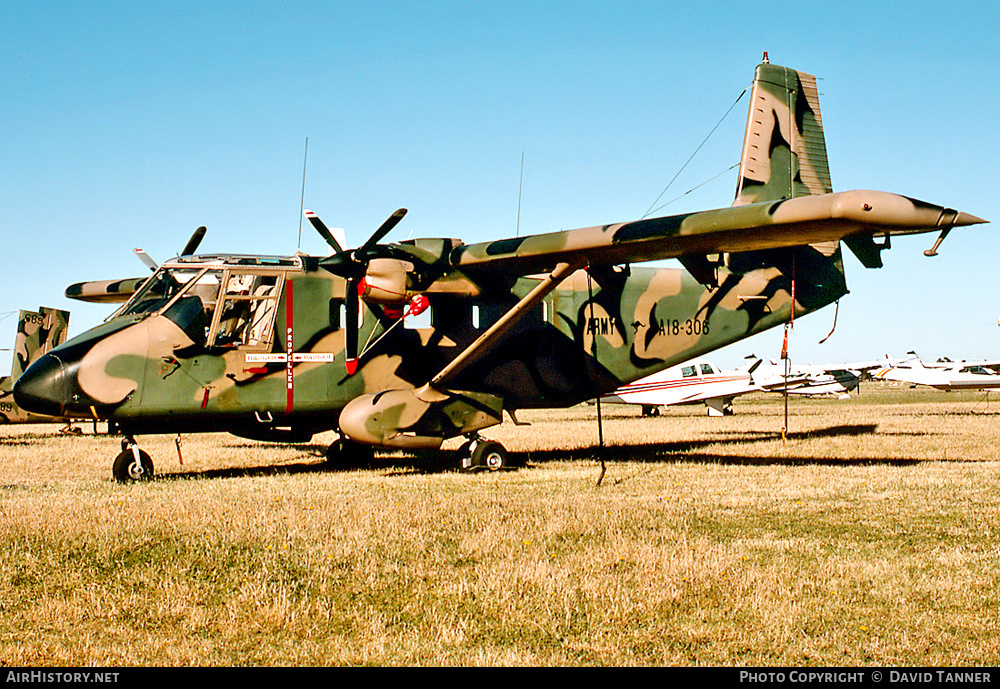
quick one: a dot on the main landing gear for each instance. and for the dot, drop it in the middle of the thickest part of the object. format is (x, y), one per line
(476, 453)
(343, 454)
(132, 464)
(483, 454)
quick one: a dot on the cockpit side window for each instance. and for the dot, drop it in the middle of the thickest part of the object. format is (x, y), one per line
(246, 311)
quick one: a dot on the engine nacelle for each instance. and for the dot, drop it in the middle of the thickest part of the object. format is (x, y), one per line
(386, 282)
(399, 418)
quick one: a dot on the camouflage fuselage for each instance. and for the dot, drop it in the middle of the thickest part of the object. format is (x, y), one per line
(599, 329)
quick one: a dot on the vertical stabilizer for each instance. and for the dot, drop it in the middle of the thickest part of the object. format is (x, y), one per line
(784, 150)
(37, 333)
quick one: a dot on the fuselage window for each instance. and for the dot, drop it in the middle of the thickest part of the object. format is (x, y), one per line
(421, 320)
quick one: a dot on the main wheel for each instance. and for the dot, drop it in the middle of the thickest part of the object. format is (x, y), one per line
(490, 454)
(128, 468)
(344, 454)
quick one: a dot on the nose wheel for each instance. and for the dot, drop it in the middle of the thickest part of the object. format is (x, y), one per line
(132, 464)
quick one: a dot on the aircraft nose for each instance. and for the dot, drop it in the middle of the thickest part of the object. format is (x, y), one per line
(41, 389)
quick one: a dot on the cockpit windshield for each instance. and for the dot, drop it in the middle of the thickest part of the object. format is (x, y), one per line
(160, 289)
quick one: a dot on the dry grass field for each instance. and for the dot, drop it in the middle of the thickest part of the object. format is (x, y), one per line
(868, 536)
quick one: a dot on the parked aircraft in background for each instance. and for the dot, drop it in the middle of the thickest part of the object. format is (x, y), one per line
(37, 333)
(701, 381)
(282, 348)
(812, 380)
(941, 375)
(693, 382)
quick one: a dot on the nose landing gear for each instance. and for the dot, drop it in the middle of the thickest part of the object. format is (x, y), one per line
(132, 464)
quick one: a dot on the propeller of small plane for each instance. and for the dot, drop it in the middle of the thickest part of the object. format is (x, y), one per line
(188, 250)
(352, 265)
(194, 242)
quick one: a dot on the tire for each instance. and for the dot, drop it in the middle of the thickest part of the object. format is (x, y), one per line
(490, 455)
(126, 470)
(343, 454)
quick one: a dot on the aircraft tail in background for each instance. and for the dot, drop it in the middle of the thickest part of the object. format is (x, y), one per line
(37, 333)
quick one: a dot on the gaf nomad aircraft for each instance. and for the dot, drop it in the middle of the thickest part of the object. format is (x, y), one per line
(942, 376)
(281, 348)
(37, 333)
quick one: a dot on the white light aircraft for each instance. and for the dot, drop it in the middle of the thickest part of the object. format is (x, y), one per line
(693, 382)
(941, 375)
(812, 380)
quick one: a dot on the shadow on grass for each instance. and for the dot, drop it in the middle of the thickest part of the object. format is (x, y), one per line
(690, 450)
(682, 451)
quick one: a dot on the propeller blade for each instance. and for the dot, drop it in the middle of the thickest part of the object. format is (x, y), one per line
(386, 227)
(351, 327)
(325, 233)
(195, 240)
(145, 258)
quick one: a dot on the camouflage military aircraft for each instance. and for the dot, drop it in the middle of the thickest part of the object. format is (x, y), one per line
(282, 348)
(37, 333)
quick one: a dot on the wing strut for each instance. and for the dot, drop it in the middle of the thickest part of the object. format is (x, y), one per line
(474, 351)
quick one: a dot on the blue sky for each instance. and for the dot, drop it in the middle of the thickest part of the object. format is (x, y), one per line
(129, 124)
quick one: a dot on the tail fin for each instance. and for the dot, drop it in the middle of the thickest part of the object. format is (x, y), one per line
(37, 333)
(784, 150)
(784, 156)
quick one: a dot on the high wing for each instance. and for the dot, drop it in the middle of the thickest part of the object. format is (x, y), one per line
(955, 376)
(784, 198)
(282, 348)
(752, 227)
